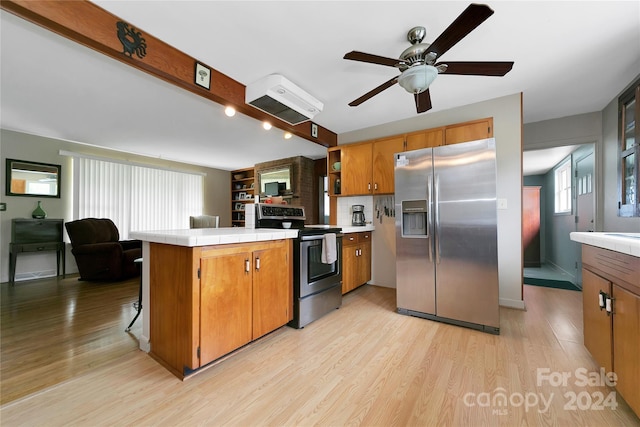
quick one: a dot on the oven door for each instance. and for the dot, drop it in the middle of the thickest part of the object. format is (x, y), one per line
(313, 275)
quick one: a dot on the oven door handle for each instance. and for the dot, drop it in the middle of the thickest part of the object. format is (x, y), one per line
(317, 237)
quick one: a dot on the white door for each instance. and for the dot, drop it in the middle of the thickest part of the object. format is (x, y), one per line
(585, 210)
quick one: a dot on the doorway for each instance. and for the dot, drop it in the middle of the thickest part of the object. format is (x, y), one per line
(560, 257)
(585, 204)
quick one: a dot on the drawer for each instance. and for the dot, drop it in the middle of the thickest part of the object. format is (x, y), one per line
(37, 247)
(356, 238)
(616, 267)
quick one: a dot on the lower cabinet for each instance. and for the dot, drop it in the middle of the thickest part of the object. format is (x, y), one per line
(208, 301)
(356, 260)
(611, 314)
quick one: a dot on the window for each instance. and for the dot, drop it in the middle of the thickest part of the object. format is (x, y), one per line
(563, 187)
(135, 197)
(628, 111)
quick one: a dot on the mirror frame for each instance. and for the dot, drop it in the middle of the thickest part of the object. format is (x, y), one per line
(36, 165)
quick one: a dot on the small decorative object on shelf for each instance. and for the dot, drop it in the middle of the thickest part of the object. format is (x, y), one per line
(38, 212)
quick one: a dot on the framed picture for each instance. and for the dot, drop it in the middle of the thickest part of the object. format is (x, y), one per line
(239, 206)
(203, 76)
(242, 196)
(248, 196)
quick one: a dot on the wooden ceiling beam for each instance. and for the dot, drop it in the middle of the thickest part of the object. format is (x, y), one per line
(90, 25)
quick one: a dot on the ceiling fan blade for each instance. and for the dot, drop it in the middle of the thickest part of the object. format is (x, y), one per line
(473, 15)
(471, 68)
(423, 101)
(374, 92)
(373, 59)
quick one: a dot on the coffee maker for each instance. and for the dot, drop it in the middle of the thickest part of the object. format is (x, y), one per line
(357, 215)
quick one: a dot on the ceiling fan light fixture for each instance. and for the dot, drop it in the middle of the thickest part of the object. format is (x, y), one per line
(418, 78)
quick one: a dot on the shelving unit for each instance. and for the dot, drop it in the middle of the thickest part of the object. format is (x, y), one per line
(334, 175)
(242, 192)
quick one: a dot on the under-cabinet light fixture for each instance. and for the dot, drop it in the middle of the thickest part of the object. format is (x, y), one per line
(288, 135)
(266, 125)
(230, 111)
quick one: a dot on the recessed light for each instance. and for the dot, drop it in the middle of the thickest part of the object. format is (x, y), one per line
(288, 135)
(230, 111)
(266, 125)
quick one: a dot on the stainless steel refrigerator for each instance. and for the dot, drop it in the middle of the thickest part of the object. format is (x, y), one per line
(446, 234)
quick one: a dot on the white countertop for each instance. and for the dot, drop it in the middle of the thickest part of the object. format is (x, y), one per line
(213, 236)
(626, 243)
(225, 235)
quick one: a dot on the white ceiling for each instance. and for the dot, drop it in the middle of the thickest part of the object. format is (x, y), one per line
(570, 58)
(539, 162)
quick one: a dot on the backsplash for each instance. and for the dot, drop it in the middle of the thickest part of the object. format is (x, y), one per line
(344, 208)
(375, 208)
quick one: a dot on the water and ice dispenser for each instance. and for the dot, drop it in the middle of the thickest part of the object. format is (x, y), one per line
(415, 218)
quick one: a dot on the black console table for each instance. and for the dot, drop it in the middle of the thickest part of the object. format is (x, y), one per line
(35, 235)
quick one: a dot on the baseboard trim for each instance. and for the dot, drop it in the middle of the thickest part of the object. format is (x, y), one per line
(512, 303)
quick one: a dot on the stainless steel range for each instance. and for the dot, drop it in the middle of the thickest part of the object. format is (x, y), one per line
(317, 285)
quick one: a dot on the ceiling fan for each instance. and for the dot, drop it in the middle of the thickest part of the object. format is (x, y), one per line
(418, 64)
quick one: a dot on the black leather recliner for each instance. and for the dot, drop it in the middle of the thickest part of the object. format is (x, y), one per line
(99, 253)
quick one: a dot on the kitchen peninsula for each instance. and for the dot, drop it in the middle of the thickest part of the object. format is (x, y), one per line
(611, 306)
(207, 292)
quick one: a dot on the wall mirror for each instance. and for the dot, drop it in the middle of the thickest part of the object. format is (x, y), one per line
(32, 179)
(268, 177)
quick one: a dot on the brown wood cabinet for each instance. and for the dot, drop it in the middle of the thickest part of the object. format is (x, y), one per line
(368, 167)
(531, 225)
(598, 334)
(356, 169)
(468, 131)
(208, 301)
(383, 163)
(424, 139)
(356, 260)
(612, 335)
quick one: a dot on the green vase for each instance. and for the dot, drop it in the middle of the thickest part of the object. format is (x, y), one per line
(38, 212)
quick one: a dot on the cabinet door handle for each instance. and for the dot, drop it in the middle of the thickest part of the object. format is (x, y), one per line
(247, 265)
(369, 186)
(375, 186)
(601, 300)
(258, 264)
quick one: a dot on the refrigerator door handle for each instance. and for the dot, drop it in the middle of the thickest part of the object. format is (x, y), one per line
(436, 204)
(430, 215)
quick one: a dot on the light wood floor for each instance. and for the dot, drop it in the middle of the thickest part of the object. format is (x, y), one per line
(363, 364)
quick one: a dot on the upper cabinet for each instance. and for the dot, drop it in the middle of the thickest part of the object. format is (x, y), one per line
(383, 168)
(468, 131)
(368, 167)
(356, 169)
(424, 139)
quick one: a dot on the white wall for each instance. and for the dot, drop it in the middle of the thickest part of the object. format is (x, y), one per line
(21, 146)
(507, 121)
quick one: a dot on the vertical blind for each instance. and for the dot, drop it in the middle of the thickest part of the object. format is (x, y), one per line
(135, 198)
